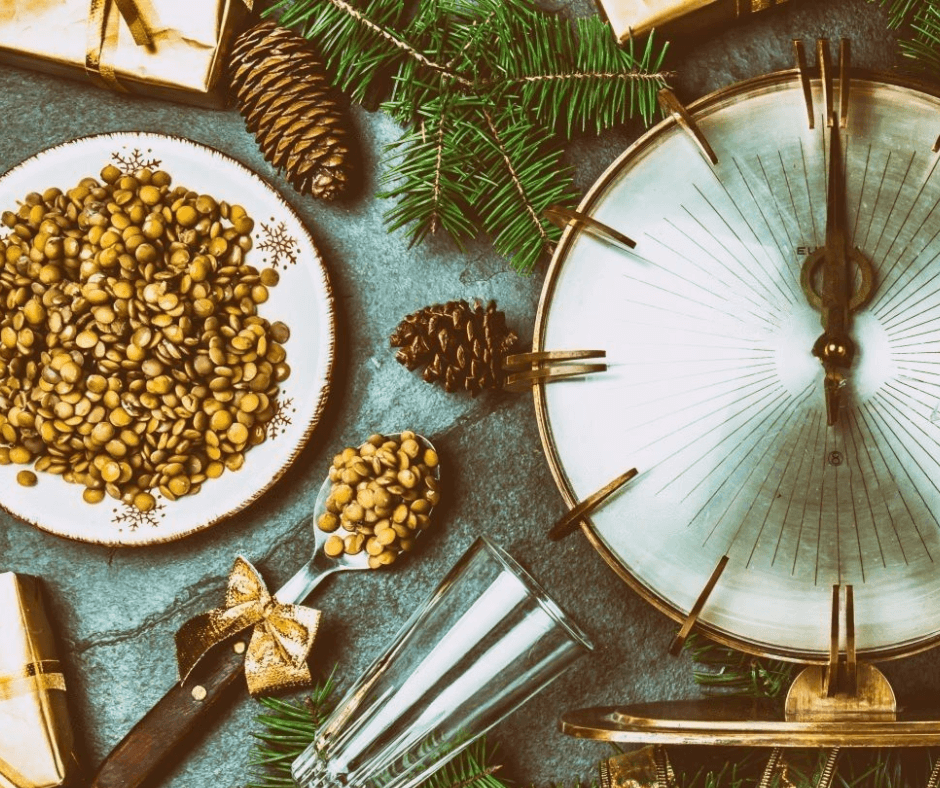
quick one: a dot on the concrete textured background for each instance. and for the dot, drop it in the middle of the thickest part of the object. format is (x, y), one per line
(118, 608)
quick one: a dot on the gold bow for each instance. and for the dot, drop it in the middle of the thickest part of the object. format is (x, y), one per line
(103, 29)
(276, 657)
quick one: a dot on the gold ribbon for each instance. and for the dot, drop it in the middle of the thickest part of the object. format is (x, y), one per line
(34, 678)
(276, 657)
(648, 767)
(103, 30)
(757, 5)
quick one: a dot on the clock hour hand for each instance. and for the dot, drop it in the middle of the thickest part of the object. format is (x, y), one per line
(835, 347)
(828, 279)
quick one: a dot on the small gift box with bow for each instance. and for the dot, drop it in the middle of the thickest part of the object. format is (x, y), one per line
(169, 49)
(675, 18)
(36, 745)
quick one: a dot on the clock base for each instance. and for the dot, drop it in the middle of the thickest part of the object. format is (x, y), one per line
(749, 723)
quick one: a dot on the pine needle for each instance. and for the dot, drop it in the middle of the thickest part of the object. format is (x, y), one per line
(487, 90)
(736, 673)
(287, 728)
(900, 12)
(920, 46)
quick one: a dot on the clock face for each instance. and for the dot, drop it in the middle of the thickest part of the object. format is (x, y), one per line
(713, 392)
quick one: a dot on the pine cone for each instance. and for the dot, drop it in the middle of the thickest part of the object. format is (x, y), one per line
(283, 93)
(460, 347)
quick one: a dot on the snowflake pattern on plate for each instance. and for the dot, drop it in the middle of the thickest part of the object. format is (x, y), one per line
(280, 421)
(131, 160)
(130, 516)
(280, 248)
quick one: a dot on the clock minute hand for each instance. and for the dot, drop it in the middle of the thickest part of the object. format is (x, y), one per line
(835, 347)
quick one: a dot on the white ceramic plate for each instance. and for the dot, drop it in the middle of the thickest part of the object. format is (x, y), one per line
(302, 299)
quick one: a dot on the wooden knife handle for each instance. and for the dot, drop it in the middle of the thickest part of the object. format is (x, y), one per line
(174, 720)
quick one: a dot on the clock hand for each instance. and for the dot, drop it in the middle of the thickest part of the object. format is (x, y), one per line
(835, 347)
(838, 296)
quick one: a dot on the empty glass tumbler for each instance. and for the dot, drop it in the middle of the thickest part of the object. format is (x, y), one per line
(483, 643)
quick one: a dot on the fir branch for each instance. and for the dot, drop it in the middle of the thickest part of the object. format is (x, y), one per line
(395, 41)
(571, 78)
(514, 177)
(900, 11)
(428, 179)
(436, 180)
(287, 728)
(923, 50)
(474, 36)
(524, 175)
(733, 672)
(357, 54)
(272, 758)
(535, 73)
(286, 731)
(920, 49)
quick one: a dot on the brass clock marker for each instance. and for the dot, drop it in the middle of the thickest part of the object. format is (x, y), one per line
(564, 217)
(824, 63)
(799, 52)
(675, 108)
(675, 648)
(845, 49)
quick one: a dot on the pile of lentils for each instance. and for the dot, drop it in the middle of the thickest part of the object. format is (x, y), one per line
(381, 496)
(132, 354)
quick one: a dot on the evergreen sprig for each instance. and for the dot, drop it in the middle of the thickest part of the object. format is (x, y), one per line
(286, 730)
(288, 727)
(734, 672)
(899, 11)
(920, 46)
(488, 91)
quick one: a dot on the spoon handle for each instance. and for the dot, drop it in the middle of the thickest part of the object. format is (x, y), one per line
(308, 577)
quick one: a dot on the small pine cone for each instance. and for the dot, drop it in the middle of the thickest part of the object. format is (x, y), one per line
(284, 94)
(460, 347)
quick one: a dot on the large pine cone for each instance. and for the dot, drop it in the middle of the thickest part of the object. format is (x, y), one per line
(284, 94)
(460, 347)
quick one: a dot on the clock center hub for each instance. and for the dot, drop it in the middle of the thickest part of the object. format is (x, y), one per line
(874, 364)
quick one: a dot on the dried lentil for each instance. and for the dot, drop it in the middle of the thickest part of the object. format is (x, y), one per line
(119, 299)
(380, 496)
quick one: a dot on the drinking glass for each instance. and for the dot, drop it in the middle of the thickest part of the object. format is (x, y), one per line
(487, 640)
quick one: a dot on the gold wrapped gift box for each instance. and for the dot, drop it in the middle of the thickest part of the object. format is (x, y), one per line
(169, 49)
(679, 18)
(36, 744)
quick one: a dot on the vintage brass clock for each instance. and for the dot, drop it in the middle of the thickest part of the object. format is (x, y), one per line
(773, 349)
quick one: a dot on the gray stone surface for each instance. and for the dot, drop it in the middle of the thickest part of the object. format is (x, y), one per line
(118, 608)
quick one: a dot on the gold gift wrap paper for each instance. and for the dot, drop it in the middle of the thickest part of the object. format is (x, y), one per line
(638, 769)
(184, 60)
(36, 744)
(681, 18)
